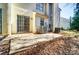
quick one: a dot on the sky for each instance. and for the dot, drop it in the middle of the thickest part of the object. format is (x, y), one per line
(67, 10)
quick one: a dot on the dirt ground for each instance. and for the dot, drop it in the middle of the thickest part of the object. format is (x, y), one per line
(58, 46)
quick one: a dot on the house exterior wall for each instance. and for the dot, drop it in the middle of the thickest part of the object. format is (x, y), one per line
(11, 10)
(37, 23)
(54, 16)
(19, 10)
(47, 7)
(51, 16)
(43, 15)
(9, 16)
(57, 20)
(23, 9)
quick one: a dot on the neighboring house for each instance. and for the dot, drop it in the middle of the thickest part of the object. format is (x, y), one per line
(28, 17)
(64, 23)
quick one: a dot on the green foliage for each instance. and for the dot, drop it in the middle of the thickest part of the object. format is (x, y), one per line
(75, 22)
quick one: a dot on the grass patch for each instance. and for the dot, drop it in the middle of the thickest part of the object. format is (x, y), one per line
(70, 33)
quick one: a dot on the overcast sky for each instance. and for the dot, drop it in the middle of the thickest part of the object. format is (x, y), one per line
(66, 10)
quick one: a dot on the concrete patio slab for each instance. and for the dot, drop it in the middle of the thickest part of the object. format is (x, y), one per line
(22, 40)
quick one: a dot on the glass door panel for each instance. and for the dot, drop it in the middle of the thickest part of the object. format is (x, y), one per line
(22, 23)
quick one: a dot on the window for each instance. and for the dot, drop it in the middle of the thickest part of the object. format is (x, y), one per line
(0, 20)
(40, 7)
(42, 22)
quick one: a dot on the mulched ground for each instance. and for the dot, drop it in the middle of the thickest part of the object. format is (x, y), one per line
(58, 46)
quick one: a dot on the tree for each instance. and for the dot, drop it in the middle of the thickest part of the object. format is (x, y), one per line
(75, 22)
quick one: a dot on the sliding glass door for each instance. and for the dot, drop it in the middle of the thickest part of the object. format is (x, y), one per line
(22, 24)
(0, 21)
